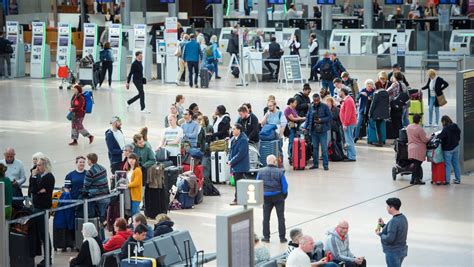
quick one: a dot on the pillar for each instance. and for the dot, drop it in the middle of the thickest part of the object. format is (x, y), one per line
(262, 13)
(327, 18)
(218, 16)
(368, 14)
(173, 9)
(125, 11)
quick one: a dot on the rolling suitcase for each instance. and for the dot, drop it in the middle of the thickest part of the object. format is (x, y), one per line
(171, 176)
(19, 251)
(205, 77)
(416, 107)
(299, 153)
(372, 137)
(438, 173)
(220, 171)
(270, 148)
(137, 261)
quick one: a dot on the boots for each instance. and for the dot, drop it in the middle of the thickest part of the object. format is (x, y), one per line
(73, 143)
(91, 139)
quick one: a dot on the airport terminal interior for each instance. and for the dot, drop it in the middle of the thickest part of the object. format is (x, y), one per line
(57, 44)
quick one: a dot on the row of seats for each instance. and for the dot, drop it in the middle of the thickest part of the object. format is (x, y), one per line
(171, 245)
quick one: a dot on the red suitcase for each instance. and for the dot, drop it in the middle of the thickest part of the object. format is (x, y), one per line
(438, 173)
(299, 153)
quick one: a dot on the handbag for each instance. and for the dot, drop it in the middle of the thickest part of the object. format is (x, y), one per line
(219, 145)
(70, 116)
(441, 100)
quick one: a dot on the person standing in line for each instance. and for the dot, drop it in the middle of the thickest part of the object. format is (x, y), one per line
(134, 175)
(318, 124)
(275, 191)
(417, 140)
(96, 185)
(179, 103)
(378, 112)
(365, 100)
(250, 125)
(349, 122)
(293, 121)
(450, 137)
(115, 144)
(107, 61)
(78, 113)
(136, 71)
(190, 128)
(74, 181)
(182, 63)
(435, 86)
(393, 235)
(171, 140)
(239, 160)
(15, 172)
(314, 54)
(8, 191)
(5, 52)
(191, 55)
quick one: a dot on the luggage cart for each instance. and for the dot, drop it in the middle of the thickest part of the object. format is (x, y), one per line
(67, 77)
(89, 72)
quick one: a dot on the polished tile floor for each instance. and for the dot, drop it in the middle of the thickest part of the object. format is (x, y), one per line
(33, 118)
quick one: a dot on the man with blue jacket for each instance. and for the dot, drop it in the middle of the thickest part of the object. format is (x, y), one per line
(318, 124)
(115, 144)
(275, 191)
(239, 159)
(326, 69)
(190, 128)
(191, 55)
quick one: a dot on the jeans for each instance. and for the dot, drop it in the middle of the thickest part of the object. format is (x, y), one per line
(313, 72)
(216, 67)
(278, 202)
(405, 119)
(320, 138)
(237, 176)
(290, 143)
(328, 84)
(107, 66)
(193, 66)
(395, 258)
(349, 136)
(452, 158)
(99, 207)
(360, 121)
(135, 207)
(431, 107)
(5, 59)
(140, 95)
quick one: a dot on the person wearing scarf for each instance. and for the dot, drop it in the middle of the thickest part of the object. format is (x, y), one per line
(91, 249)
(338, 244)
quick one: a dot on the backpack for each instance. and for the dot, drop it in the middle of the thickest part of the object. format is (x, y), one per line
(209, 53)
(326, 72)
(335, 152)
(8, 48)
(89, 101)
(400, 101)
(209, 189)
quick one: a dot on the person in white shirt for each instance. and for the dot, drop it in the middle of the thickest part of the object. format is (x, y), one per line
(294, 44)
(292, 13)
(15, 171)
(171, 140)
(299, 257)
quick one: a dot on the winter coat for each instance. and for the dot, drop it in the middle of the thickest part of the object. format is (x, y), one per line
(114, 149)
(323, 112)
(117, 240)
(78, 104)
(450, 136)
(239, 154)
(163, 228)
(380, 107)
(348, 112)
(303, 102)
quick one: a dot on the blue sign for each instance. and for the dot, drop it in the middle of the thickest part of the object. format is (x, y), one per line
(394, 2)
(326, 2)
(214, 1)
(168, 1)
(276, 2)
(448, 2)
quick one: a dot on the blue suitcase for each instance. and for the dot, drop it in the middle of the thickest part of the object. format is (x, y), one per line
(269, 148)
(138, 262)
(372, 132)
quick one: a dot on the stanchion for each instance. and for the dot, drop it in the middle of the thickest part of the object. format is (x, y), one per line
(4, 231)
(46, 239)
(86, 210)
(122, 205)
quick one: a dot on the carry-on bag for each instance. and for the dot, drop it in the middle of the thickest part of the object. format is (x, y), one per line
(220, 171)
(438, 173)
(299, 153)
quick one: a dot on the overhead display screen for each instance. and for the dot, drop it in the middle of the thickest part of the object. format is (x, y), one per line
(326, 2)
(394, 2)
(276, 2)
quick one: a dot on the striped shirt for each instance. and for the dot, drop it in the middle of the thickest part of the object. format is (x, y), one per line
(96, 183)
(170, 135)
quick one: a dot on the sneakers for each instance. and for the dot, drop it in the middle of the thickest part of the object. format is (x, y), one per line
(218, 77)
(177, 83)
(457, 181)
(73, 143)
(145, 111)
(349, 160)
(313, 167)
(233, 203)
(283, 240)
(196, 86)
(91, 139)
(326, 168)
(265, 239)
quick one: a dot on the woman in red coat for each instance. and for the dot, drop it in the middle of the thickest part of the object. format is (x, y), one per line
(78, 110)
(417, 141)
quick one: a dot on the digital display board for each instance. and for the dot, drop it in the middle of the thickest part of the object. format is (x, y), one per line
(394, 2)
(167, 1)
(448, 2)
(276, 2)
(38, 41)
(326, 2)
(214, 1)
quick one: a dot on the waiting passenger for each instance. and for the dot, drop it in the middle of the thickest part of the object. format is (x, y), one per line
(365, 100)
(349, 122)
(221, 125)
(139, 219)
(171, 140)
(261, 253)
(450, 137)
(379, 112)
(16, 173)
(295, 235)
(96, 185)
(299, 257)
(164, 225)
(173, 110)
(338, 68)
(190, 128)
(74, 181)
(250, 125)
(382, 81)
(91, 249)
(351, 83)
(122, 233)
(338, 244)
(417, 141)
(135, 178)
(7, 187)
(134, 243)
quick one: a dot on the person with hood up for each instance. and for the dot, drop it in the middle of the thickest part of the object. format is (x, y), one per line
(164, 225)
(91, 249)
(221, 124)
(338, 244)
(122, 233)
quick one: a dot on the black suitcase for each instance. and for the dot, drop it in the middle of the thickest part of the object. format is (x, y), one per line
(156, 201)
(19, 251)
(205, 77)
(171, 176)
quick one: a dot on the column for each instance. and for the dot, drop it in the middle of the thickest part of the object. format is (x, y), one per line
(368, 14)
(327, 18)
(173, 9)
(125, 11)
(218, 16)
(262, 13)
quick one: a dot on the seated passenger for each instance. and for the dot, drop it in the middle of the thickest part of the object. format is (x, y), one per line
(122, 233)
(134, 243)
(164, 225)
(338, 244)
(140, 219)
(295, 235)
(261, 253)
(91, 248)
(299, 257)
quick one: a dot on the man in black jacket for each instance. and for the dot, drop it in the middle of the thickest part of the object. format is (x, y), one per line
(138, 80)
(303, 101)
(275, 52)
(5, 56)
(396, 68)
(233, 49)
(250, 124)
(134, 244)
